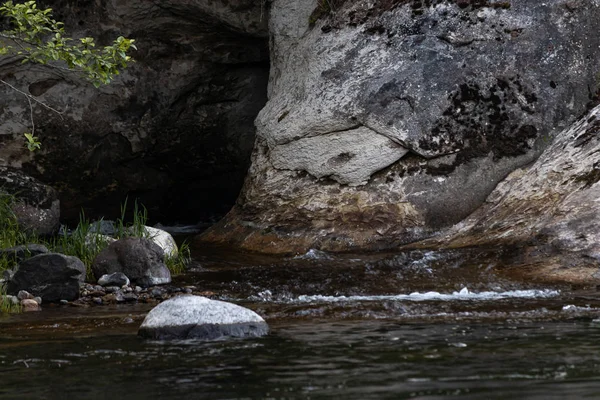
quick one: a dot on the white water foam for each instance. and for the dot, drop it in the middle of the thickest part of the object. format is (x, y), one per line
(464, 294)
(313, 254)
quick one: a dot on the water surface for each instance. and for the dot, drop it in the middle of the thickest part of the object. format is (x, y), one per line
(418, 325)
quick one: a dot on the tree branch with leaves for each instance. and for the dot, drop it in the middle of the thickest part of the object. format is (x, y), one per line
(35, 37)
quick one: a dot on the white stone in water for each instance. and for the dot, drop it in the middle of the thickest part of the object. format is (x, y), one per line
(188, 316)
(186, 310)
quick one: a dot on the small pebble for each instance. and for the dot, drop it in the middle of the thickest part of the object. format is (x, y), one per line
(38, 300)
(30, 305)
(23, 295)
(109, 298)
(64, 302)
(97, 300)
(130, 297)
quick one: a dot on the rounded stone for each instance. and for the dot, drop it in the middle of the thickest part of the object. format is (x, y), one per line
(30, 305)
(197, 317)
(114, 279)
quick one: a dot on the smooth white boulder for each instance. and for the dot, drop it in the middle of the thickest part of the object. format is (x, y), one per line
(197, 317)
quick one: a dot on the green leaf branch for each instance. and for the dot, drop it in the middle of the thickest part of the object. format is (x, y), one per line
(35, 37)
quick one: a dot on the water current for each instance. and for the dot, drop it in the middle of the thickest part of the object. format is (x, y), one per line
(419, 325)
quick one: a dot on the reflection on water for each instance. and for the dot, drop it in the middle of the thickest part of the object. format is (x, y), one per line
(343, 327)
(327, 360)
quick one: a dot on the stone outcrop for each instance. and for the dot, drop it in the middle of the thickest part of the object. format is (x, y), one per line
(174, 128)
(196, 317)
(546, 214)
(388, 121)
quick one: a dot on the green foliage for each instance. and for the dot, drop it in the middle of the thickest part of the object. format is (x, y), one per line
(85, 241)
(177, 264)
(6, 305)
(136, 227)
(32, 142)
(38, 38)
(82, 242)
(10, 233)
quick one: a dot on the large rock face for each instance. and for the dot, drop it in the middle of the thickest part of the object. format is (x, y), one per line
(390, 120)
(174, 127)
(546, 214)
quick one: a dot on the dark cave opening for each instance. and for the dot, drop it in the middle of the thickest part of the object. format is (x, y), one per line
(178, 136)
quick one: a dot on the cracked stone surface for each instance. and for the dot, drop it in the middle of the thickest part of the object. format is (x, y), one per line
(346, 157)
(473, 90)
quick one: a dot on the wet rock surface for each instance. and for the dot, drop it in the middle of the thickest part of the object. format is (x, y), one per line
(96, 295)
(452, 84)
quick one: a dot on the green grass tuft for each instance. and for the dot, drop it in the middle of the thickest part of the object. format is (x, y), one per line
(83, 242)
(177, 264)
(6, 305)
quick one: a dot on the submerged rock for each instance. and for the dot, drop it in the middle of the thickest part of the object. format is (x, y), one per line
(141, 260)
(196, 317)
(52, 276)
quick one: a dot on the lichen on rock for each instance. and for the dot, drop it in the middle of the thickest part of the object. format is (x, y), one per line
(471, 89)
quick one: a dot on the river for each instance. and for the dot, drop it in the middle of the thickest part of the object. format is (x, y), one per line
(419, 325)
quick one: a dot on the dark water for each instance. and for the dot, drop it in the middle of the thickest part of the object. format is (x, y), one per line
(331, 337)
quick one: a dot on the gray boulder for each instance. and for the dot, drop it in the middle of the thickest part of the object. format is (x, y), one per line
(37, 207)
(196, 317)
(141, 260)
(51, 276)
(450, 84)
